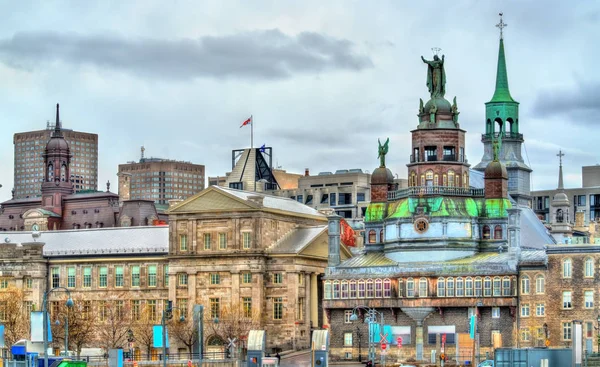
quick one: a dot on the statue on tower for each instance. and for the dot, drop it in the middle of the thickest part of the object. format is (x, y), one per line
(436, 76)
(383, 150)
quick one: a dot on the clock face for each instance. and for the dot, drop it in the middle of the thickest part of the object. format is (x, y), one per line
(35, 227)
(421, 225)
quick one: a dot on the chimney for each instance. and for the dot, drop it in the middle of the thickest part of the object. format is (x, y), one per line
(306, 172)
(334, 240)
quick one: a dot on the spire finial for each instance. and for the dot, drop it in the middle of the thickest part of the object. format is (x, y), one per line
(560, 171)
(501, 25)
(560, 155)
(57, 124)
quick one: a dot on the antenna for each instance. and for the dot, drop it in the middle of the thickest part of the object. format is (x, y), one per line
(143, 149)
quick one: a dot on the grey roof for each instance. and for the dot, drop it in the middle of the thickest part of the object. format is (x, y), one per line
(273, 202)
(476, 179)
(91, 195)
(297, 240)
(97, 241)
(533, 232)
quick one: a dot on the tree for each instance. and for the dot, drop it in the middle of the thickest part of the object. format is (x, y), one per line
(114, 322)
(235, 322)
(82, 323)
(185, 331)
(13, 315)
(142, 324)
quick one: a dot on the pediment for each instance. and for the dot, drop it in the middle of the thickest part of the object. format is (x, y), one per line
(211, 200)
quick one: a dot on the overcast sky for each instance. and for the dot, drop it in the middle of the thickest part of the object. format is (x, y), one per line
(323, 79)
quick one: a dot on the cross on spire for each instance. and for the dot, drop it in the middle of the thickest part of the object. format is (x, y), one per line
(501, 25)
(560, 155)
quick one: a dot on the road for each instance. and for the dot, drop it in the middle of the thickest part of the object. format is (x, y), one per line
(303, 360)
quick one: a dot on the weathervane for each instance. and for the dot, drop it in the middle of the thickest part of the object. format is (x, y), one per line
(501, 25)
(436, 50)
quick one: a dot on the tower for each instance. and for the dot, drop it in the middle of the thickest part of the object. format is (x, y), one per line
(559, 213)
(57, 179)
(502, 124)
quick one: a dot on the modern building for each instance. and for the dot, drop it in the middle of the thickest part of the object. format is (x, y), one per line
(585, 199)
(159, 180)
(29, 166)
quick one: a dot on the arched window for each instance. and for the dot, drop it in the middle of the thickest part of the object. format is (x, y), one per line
(410, 287)
(423, 287)
(540, 284)
(444, 180)
(441, 287)
(429, 178)
(50, 172)
(413, 179)
(361, 289)
(436, 180)
(567, 268)
(450, 287)
(589, 267)
(498, 232)
(465, 181)
(497, 287)
(478, 287)
(370, 292)
(451, 178)
(63, 172)
(387, 288)
(525, 285)
(400, 288)
(336, 289)
(469, 287)
(560, 217)
(378, 288)
(486, 232)
(344, 289)
(381, 236)
(422, 180)
(372, 236)
(487, 287)
(506, 286)
(327, 289)
(489, 127)
(352, 289)
(460, 290)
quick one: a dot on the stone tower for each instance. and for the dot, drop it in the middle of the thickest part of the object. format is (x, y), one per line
(560, 219)
(502, 124)
(57, 177)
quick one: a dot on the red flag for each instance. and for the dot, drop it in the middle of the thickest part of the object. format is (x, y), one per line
(249, 121)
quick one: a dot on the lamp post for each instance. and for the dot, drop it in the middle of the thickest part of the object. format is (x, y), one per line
(167, 314)
(69, 304)
(370, 318)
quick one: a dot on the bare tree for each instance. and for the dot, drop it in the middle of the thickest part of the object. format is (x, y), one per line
(114, 322)
(82, 323)
(235, 321)
(185, 331)
(13, 315)
(142, 329)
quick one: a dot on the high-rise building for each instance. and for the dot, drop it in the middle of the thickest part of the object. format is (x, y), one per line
(29, 160)
(159, 179)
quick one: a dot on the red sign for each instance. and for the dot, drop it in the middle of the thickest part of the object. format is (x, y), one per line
(383, 346)
(444, 338)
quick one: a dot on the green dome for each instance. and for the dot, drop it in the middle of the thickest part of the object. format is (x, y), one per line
(442, 104)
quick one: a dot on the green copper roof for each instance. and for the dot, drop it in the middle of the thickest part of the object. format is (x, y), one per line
(375, 212)
(502, 93)
(496, 208)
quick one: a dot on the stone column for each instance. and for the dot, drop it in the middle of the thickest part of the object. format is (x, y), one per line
(191, 289)
(192, 235)
(314, 301)
(258, 296)
(172, 285)
(235, 287)
(419, 341)
(307, 308)
(292, 300)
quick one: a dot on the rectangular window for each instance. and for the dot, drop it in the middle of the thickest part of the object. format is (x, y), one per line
(215, 278)
(182, 279)
(119, 276)
(495, 312)
(361, 290)
(222, 241)
(277, 278)
(247, 306)
(360, 196)
(497, 287)
(55, 277)
(152, 313)
(152, 275)
(215, 308)
(540, 309)
(487, 287)
(352, 294)
(103, 277)
(450, 287)
(589, 299)
(246, 239)
(182, 305)
(166, 275)
(478, 289)
(87, 277)
(567, 300)
(347, 316)
(246, 278)
(332, 198)
(441, 288)
(136, 309)
(183, 242)
(207, 241)
(28, 283)
(566, 326)
(277, 308)
(525, 310)
(135, 276)
(70, 277)
(102, 311)
(347, 339)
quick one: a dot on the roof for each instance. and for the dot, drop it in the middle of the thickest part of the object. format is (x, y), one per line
(295, 241)
(533, 232)
(502, 93)
(98, 241)
(91, 195)
(49, 213)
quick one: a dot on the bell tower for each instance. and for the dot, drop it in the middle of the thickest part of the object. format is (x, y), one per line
(502, 124)
(57, 177)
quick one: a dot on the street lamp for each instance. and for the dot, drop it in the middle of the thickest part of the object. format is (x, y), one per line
(358, 335)
(69, 304)
(167, 314)
(370, 318)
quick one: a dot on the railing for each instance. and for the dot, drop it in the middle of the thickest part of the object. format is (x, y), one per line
(507, 135)
(434, 158)
(435, 190)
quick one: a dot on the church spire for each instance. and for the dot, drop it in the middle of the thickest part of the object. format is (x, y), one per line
(502, 93)
(57, 127)
(560, 172)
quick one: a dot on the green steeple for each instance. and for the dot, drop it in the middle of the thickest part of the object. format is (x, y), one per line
(502, 93)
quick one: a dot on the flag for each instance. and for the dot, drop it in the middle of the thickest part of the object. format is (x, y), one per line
(262, 149)
(248, 121)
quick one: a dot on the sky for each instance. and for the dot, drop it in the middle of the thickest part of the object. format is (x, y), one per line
(323, 79)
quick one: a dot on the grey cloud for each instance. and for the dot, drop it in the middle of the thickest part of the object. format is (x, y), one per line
(268, 54)
(580, 103)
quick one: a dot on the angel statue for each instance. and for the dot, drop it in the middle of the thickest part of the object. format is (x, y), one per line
(383, 149)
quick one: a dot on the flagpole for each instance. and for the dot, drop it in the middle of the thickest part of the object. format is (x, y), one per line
(252, 147)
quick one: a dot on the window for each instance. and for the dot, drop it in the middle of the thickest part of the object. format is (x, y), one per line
(525, 310)
(589, 267)
(152, 314)
(28, 283)
(540, 284)
(589, 329)
(3, 283)
(497, 289)
(277, 278)
(135, 309)
(498, 232)
(347, 316)
(87, 277)
(352, 289)
(441, 289)
(103, 277)
(207, 241)
(246, 240)
(410, 287)
(567, 304)
(183, 242)
(495, 312)
(361, 289)
(246, 278)
(215, 308)
(566, 268)
(182, 305)
(360, 196)
(451, 178)
(55, 277)
(487, 287)
(566, 326)
(348, 339)
(215, 278)
(540, 309)
(430, 153)
(486, 232)
(589, 299)
(345, 288)
(336, 289)
(378, 288)
(525, 335)
(506, 286)
(370, 292)
(423, 287)
(469, 287)
(478, 291)
(277, 308)
(387, 288)
(460, 291)
(151, 275)
(70, 277)
(222, 241)
(135, 276)
(332, 198)
(327, 290)
(300, 308)
(450, 287)
(247, 306)
(118, 276)
(182, 279)
(372, 236)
